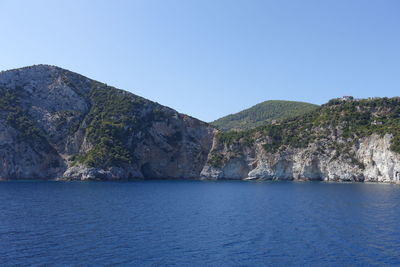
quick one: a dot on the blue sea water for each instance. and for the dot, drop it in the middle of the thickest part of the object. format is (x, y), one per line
(199, 223)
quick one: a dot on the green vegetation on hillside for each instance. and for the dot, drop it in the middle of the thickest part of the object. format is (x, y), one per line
(107, 120)
(17, 118)
(349, 120)
(110, 125)
(263, 114)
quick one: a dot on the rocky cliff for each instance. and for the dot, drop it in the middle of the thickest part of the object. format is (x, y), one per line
(344, 140)
(56, 124)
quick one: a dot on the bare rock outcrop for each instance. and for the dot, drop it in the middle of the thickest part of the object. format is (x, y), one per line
(373, 162)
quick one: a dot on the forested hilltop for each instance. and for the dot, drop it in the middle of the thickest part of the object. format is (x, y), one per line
(350, 119)
(263, 113)
(345, 139)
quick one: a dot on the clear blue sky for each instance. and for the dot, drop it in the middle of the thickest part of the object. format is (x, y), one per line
(209, 58)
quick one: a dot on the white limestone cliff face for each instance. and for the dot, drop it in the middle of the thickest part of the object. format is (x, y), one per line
(381, 164)
(85, 173)
(371, 160)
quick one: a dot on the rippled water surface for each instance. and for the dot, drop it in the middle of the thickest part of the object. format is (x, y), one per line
(198, 223)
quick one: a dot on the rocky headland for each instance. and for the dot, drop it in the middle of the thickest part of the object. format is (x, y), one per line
(56, 124)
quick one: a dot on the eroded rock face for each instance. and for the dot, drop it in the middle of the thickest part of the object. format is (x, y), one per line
(381, 164)
(46, 117)
(26, 159)
(55, 124)
(373, 162)
(85, 173)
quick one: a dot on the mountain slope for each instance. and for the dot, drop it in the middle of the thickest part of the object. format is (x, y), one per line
(343, 140)
(58, 124)
(262, 114)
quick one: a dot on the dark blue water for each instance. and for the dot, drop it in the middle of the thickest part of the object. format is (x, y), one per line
(196, 223)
